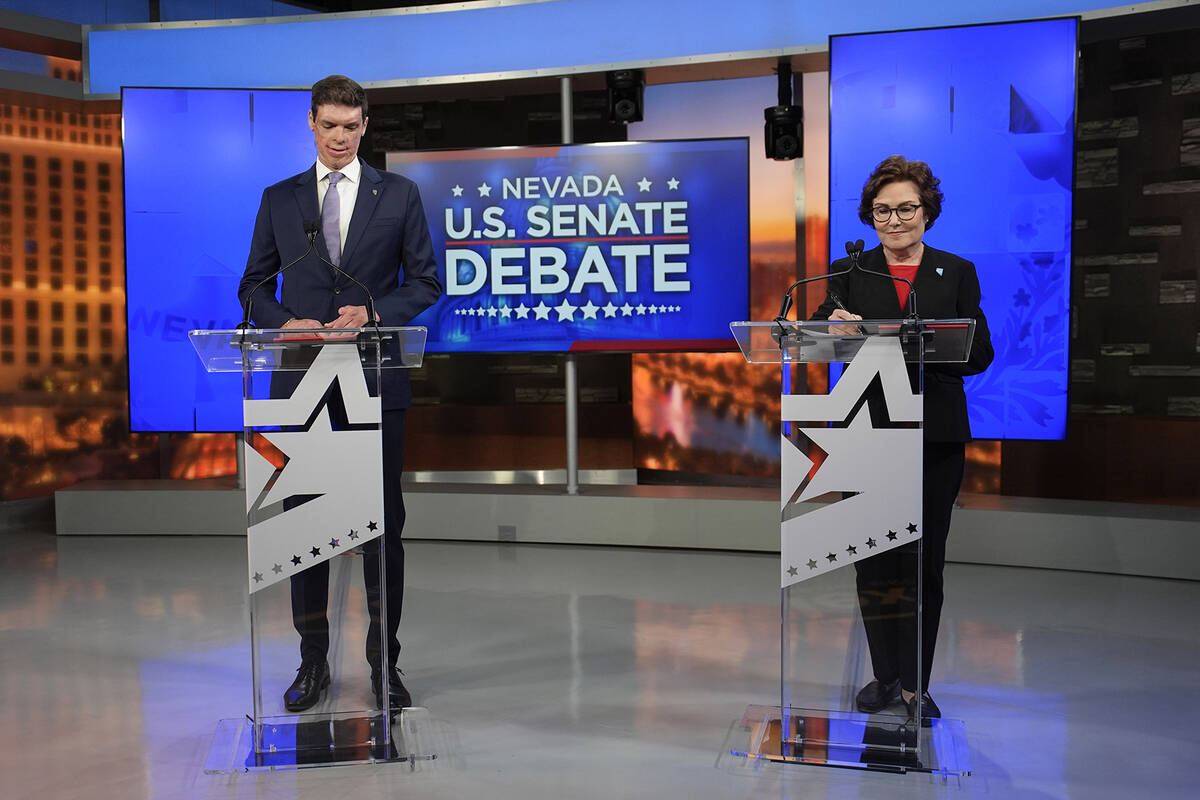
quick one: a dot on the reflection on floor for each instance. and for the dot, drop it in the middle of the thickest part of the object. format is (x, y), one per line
(570, 672)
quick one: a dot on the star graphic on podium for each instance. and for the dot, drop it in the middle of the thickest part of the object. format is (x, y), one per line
(353, 535)
(278, 568)
(333, 543)
(812, 564)
(912, 527)
(372, 526)
(316, 551)
(258, 578)
(296, 560)
(792, 571)
(304, 449)
(891, 536)
(842, 461)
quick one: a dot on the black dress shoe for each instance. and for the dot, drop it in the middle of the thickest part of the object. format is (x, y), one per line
(305, 692)
(398, 696)
(929, 709)
(877, 695)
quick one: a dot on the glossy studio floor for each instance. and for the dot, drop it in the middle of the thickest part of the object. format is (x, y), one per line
(577, 672)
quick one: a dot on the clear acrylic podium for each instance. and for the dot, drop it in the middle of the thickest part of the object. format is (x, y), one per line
(314, 511)
(850, 543)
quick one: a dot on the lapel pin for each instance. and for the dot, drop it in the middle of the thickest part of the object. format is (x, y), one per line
(376, 191)
(939, 272)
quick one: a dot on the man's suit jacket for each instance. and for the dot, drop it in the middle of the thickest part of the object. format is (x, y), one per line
(954, 293)
(387, 248)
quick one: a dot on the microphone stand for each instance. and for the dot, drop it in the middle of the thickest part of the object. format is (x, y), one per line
(912, 322)
(310, 231)
(853, 249)
(372, 324)
(912, 290)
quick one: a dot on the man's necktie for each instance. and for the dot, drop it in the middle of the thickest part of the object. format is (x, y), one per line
(331, 213)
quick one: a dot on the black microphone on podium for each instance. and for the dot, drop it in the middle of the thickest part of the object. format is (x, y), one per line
(311, 226)
(912, 290)
(371, 322)
(853, 249)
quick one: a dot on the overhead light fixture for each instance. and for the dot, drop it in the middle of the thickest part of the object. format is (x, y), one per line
(783, 133)
(625, 95)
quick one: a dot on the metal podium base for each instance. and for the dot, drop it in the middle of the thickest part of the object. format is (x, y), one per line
(300, 741)
(847, 739)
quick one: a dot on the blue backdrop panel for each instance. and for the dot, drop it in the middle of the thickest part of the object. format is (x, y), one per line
(992, 110)
(626, 245)
(196, 162)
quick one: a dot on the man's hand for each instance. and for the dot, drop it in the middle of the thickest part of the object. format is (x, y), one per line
(308, 324)
(350, 317)
(844, 330)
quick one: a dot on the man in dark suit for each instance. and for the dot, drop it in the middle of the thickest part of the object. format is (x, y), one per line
(372, 226)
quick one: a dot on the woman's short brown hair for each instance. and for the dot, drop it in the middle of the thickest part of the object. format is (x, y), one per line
(898, 168)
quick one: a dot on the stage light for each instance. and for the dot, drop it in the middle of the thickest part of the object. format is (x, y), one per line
(625, 95)
(783, 133)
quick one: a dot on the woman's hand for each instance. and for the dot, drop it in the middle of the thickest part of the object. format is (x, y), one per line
(844, 330)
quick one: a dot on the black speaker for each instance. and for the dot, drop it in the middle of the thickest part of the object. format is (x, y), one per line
(625, 95)
(784, 132)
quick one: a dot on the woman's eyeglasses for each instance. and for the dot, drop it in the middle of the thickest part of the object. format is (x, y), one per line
(904, 212)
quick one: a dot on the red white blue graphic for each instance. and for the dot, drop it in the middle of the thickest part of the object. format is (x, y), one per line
(617, 246)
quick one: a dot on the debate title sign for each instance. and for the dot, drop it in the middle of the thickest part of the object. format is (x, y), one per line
(614, 246)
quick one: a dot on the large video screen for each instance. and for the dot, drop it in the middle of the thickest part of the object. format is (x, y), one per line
(992, 110)
(615, 246)
(196, 163)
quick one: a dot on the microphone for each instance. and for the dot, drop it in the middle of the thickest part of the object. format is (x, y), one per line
(371, 321)
(311, 226)
(912, 291)
(851, 250)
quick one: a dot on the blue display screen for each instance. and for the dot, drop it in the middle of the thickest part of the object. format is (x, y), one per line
(617, 246)
(991, 109)
(196, 163)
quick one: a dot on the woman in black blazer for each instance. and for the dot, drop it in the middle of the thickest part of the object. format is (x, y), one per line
(901, 200)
